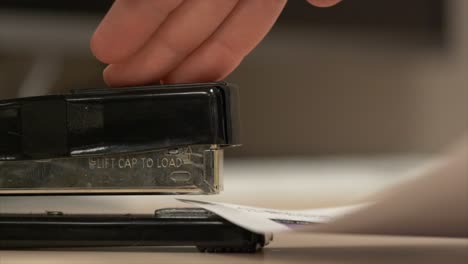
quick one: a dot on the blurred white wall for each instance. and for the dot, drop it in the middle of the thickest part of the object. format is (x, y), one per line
(360, 92)
(304, 91)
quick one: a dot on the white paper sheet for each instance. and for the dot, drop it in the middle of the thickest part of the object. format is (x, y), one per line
(433, 204)
(263, 220)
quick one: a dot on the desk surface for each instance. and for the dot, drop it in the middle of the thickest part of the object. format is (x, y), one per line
(287, 248)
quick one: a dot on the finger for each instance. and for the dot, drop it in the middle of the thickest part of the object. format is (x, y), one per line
(127, 26)
(324, 3)
(184, 31)
(245, 27)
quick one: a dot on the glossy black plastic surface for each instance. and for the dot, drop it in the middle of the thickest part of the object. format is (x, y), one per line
(119, 120)
(190, 227)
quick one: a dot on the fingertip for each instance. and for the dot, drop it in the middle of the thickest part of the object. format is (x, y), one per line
(323, 3)
(211, 71)
(109, 77)
(192, 79)
(119, 75)
(94, 45)
(104, 52)
(105, 76)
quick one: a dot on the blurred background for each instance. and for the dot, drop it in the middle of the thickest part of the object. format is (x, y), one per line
(363, 78)
(336, 103)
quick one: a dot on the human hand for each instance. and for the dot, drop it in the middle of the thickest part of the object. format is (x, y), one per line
(181, 41)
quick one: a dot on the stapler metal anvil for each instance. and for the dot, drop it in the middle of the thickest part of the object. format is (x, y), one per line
(164, 139)
(166, 227)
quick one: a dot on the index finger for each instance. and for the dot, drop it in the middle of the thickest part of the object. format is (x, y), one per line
(128, 26)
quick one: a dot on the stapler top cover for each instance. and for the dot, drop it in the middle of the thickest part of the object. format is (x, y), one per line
(118, 120)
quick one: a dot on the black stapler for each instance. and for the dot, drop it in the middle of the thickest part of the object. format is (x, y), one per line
(140, 140)
(164, 139)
